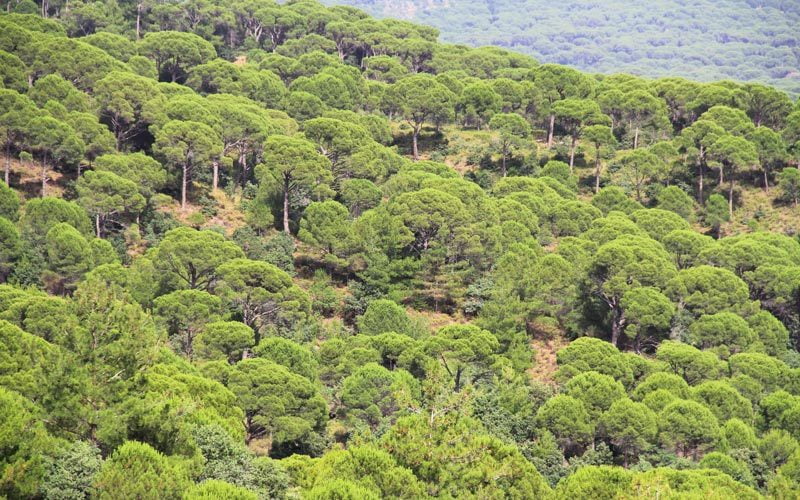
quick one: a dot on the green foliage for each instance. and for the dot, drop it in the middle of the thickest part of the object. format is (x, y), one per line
(414, 343)
(283, 411)
(231, 462)
(185, 313)
(298, 359)
(264, 296)
(789, 183)
(136, 470)
(614, 198)
(190, 258)
(9, 203)
(721, 329)
(425, 446)
(325, 224)
(567, 419)
(227, 340)
(596, 391)
(385, 316)
(70, 472)
(688, 427)
(212, 488)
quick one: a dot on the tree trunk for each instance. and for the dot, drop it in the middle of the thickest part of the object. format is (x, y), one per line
(617, 322)
(550, 132)
(138, 21)
(215, 176)
(243, 167)
(636, 138)
(766, 181)
(97, 225)
(730, 196)
(572, 153)
(184, 185)
(8, 165)
(597, 171)
(414, 141)
(286, 204)
(700, 182)
(44, 175)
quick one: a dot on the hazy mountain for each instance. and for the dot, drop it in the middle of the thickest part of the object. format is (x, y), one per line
(704, 40)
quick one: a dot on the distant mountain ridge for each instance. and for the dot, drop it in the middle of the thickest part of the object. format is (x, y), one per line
(703, 40)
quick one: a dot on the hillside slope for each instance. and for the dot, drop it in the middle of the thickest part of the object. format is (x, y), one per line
(705, 40)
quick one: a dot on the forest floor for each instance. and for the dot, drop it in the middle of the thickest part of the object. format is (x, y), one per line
(466, 152)
(544, 357)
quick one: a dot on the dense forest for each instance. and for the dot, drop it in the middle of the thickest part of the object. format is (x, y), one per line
(251, 250)
(706, 40)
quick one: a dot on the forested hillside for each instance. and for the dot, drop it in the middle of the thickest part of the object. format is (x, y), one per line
(251, 250)
(745, 40)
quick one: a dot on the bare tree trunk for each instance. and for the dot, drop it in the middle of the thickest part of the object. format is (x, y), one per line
(215, 176)
(700, 182)
(184, 185)
(414, 141)
(8, 165)
(730, 196)
(138, 20)
(286, 205)
(550, 132)
(636, 138)
(617, 322)
(766, 181)
(44, 175)
(597, 171)
(243, 167)
(572, 154)
(615, 330)
(97, 225)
